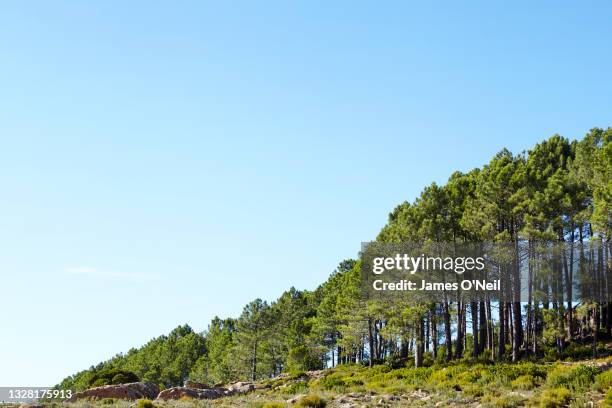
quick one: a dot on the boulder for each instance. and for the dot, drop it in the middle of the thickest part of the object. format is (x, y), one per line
(129, 391)
(240, 388)
(176, 393)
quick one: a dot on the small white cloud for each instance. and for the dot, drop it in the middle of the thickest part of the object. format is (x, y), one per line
(94, 272)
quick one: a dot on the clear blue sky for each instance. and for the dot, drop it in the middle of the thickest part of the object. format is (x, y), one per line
(163, 163)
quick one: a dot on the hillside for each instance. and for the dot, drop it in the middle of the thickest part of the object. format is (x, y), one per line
(408, 352)
(465, 383)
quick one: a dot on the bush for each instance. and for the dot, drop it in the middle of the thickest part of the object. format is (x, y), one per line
(310, 401)
(394, 361)
(577, 352)
(608, 400)
(108, 376)
(122, 378)
(98, 382)
(504, 401)
(575, 378)
(145, 403)
(297, 387)
(475, 391)
(108, 401)
(524, 382)
(440, 355)
(555, 398)
(506, 373)
(302, 358)
(332, 381)
(604, 381)
(273, 405)
(411, 375)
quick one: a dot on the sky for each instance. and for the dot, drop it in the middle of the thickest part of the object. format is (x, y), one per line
(166, 162)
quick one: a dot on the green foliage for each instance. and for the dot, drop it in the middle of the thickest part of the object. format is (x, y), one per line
(111, 376)
(302, 358)
(311, 401)
(608, 399)
(524, 382)
(575, 378)
(165, 359)
(555, 398)
(555, 191)
(274, 405)
(603, 381)
(297, 387)
(394, 361)
(333, 381)
(216, 365)
(145, 403)
(503, 401)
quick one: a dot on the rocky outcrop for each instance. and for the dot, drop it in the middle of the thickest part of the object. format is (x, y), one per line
(175, 393)
(191, 390)
(129, 391)
(240, 388)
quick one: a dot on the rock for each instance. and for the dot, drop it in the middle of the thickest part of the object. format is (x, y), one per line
(129, 391)
(422, 395)
(240, 388)
(175, 393)
(196, 385)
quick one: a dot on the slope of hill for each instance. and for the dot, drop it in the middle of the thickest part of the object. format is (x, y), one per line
(559, 191)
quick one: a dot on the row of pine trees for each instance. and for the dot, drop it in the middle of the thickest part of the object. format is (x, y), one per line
(559, 191)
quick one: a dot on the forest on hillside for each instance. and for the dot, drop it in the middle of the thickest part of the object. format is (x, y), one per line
(559, 191)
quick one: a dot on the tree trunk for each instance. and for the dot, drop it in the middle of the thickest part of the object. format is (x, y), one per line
(418, 352)
(447, 332)
(475, 332)
(502, 331)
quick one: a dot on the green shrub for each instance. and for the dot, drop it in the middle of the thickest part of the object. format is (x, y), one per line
(378, 369)
(428, 359)
(145, 403)
(555, 398)
(99, 382)
(109, 376)
(297, 387)
(310, 401)
(108, 401)
(273, 405)
(440, 355)
(352, 381)
(122, 378)
(608, 399)
(302, 358)
(604, 381)
(506, 373)
(332, 381)
(503, 401)
(475, 391)
(575, 378)
(296, 375)
(551, 355)
(413, 376)
(577, 352)
(524, 382)
(394, 361)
